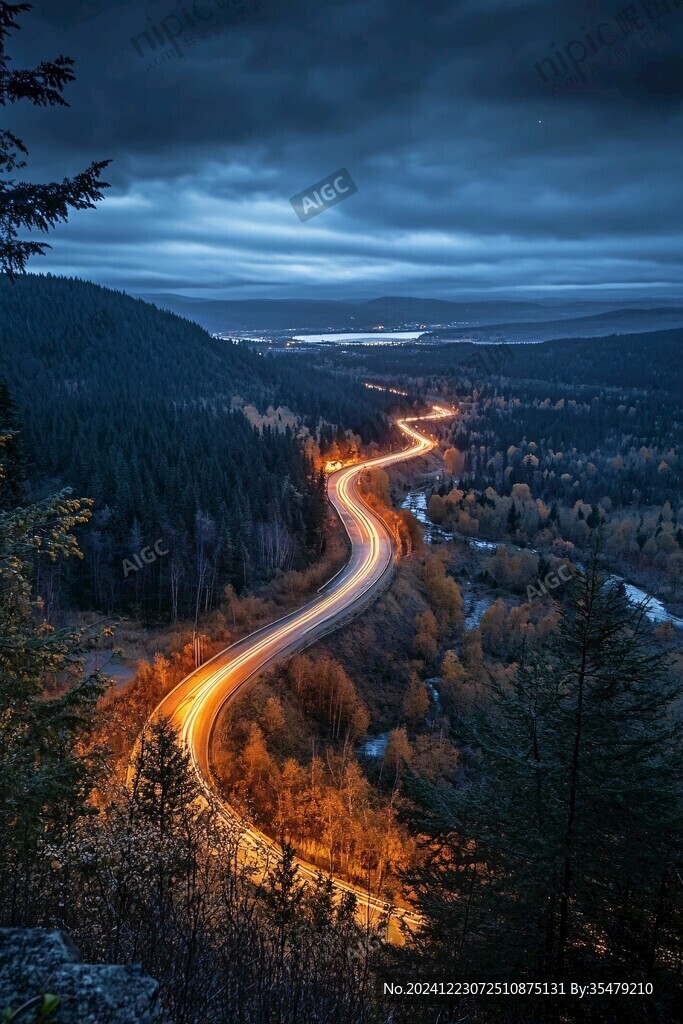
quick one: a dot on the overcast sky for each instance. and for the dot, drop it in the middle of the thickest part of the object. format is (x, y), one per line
(475, 176)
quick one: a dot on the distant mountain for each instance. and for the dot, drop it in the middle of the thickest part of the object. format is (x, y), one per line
(282, 316)
(482, 320)
(392, 310)
(616, 321)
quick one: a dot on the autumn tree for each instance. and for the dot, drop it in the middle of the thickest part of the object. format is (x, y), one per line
(452, 670)
(454, 461)
(436, 509)
(493, 627)
(326, 688)
(443, 592)
(257, 763)
(377, 483)
(426, 633)
(411, 532)
(273, 715)
(416, 700)
(398, 751)
(291, 818)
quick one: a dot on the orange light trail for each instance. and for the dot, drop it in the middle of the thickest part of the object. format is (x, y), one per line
(194, 704)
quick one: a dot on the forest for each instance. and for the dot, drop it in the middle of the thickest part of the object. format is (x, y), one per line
(202, 447)
(452, 751)
(648, 361)
(554, 439)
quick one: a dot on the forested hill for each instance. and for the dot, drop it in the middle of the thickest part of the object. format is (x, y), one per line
(64, 334)
(131, 406)
(653, 360)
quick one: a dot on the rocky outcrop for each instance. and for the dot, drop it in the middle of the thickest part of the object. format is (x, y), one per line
(35, 962)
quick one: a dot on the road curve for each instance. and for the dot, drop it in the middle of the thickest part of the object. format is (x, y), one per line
(194, 704)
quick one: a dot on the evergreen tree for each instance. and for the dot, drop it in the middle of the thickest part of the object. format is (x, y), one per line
(22, 205)
(594, 518)
(164, 787)
(46, 698)
(553, 860)
(11, 462)
(282, 896)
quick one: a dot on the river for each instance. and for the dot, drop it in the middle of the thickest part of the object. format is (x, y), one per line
(416, 502)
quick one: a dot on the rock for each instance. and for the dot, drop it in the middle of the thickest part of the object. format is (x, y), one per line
(35, 961)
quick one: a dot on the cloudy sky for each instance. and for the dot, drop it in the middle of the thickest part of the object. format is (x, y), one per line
(478, 173)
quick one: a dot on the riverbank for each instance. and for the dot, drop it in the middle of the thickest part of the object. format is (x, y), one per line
(416, 502)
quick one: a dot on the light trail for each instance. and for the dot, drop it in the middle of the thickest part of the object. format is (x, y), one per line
(381, 387)
(194, 704)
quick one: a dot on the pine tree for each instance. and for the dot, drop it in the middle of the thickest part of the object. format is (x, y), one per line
(164, 787)
(553, 859)
(594, 518)
(46, 699)
(11, 462)
(513, 518)
(25, 206)
(282, 895)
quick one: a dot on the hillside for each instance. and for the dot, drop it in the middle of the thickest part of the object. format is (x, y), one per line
(141, 411)
(56, 330)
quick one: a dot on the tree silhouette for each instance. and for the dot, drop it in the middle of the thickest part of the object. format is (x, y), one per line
(11, 463)
(22, 204)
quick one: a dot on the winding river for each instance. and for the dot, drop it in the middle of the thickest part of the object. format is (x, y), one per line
(416, 502)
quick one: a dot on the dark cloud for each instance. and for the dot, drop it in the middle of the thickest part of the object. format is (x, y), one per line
(474, 174)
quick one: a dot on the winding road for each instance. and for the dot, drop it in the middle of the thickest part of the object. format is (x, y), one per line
(194, 704)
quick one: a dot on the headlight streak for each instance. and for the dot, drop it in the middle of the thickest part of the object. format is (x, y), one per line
(194, 704)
